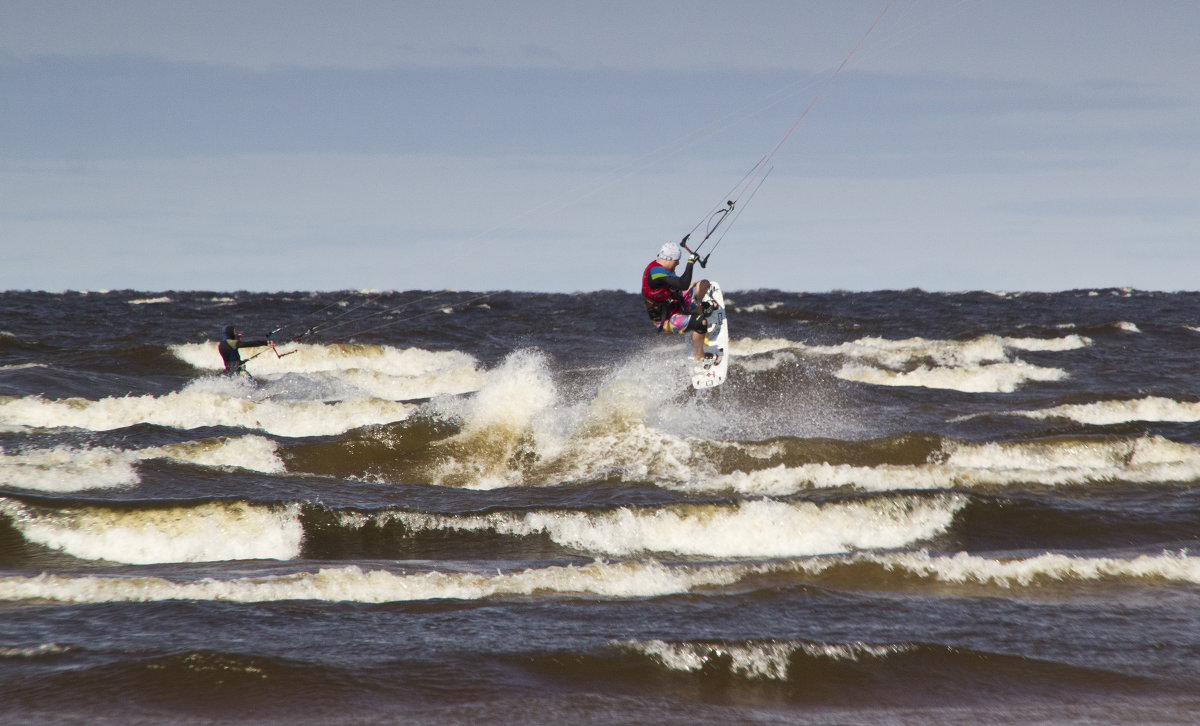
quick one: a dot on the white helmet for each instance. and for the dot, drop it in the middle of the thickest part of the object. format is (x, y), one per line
(670, 251)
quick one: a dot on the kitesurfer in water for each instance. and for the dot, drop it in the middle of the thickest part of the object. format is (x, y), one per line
(229, 350)
(673, 301)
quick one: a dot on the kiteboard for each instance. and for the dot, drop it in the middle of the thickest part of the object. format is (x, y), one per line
(711, 372)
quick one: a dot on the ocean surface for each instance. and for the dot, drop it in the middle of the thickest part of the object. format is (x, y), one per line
(471, 508)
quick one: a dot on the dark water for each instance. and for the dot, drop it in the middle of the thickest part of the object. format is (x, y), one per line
(464, 508)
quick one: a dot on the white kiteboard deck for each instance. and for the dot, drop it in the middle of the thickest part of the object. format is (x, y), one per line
(711, 372)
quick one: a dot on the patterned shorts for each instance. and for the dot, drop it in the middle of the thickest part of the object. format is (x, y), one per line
(678, 322)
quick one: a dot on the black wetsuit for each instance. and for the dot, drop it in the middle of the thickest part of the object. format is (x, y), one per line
(233, 359)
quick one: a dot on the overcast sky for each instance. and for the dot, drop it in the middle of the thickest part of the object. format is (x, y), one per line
(553, 145)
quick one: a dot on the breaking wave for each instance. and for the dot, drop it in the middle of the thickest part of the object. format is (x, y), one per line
(641, 579)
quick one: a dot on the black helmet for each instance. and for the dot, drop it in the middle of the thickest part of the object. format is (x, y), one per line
(230, 332)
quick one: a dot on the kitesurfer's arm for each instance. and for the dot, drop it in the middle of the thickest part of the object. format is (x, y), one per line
(672, 281)
(253, 343)
(685, 280)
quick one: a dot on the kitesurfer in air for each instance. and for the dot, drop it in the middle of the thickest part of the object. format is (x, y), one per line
(673, 301)
(229, 350)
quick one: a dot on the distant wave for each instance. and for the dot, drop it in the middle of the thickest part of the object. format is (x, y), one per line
(22, 366)
(766, 660)
(889, 676)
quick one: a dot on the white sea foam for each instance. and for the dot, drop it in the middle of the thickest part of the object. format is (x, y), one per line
(254, 453)
(66, 469)
(196, 407)
(964, 568)
(69, 469)
(518, 393)
(897, 354)
(760, 528)
(981, 365)
(760, 307)
(610, 580)
(22, 366)
(34, 651)
(601, 579)
(631, 448)
(1107, 413)
(752, 346)
(523, 429)
(760, 660)
(150, 301)
(987, 378)
(1048, 569)
(1056, 345)
(966, 465)
(349, 370)
(205, 533)
(515, 415)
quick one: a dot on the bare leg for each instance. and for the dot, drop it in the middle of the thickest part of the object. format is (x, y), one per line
(698, 345)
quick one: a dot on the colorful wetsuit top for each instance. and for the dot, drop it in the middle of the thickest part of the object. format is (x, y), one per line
(662, 290)
(229, 352)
